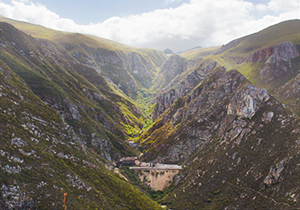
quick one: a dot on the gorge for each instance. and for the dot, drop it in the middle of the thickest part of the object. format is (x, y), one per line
(73, 104)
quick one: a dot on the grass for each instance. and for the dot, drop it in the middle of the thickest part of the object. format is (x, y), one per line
(46, 177)
(60, 79)
(282, 32)
(203, 52)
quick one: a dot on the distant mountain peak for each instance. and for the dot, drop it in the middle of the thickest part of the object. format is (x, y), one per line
(168, 51)
(198, 47)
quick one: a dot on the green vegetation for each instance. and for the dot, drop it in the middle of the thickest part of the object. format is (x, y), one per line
(61, 121)
(273, 35)
(69, 102)
(44, 175)
(128, 173)
(203, 52)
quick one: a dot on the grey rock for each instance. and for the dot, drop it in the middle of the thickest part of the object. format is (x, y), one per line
(74, 111)
(246, 102)
(267, 116)
(274, 174)
(183, 149)
(283, 51)
(18, 142)
(182, 87)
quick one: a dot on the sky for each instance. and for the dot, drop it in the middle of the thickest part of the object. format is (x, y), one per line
(175, 24)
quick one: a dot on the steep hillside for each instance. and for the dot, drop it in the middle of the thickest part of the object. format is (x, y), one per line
(130, 69)
(69, 101)
(171, 68)
(248, 161)
(270, 59)
(41, 158)
(62, 121)
(182, 84)
(67, 87)
(238, 144)
(84, 79)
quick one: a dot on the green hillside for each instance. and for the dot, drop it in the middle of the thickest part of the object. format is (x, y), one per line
(237, 143)
(42, 158)
(63, 123)
(269, 59)
(69, 102)
(251, 55)
(273, 35)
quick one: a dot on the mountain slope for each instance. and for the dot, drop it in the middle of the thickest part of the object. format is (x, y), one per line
(248, 164)
(128, 68)
(41, 158)
(83, 105)
(84, 78)
(238, 143)
(61, 122)
(239, 147)
(287, 31)
(269, 58)
(69, 102)
(182, 84)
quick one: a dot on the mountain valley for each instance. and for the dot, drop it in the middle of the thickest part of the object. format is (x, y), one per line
(70, 103)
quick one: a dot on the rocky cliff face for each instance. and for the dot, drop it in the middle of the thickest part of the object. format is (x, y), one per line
(61, 125)
(222, 132)
(280, 66)
(183, 84)
(129, 71)
(209, 95)
(276, 68)
(41, 158)
(282, 52)
(232, 170)
(82, 79)
(173, 67)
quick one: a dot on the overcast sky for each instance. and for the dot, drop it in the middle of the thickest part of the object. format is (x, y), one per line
(175, 24)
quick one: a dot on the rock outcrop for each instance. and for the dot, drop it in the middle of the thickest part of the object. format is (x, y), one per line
(282, 52)
(61, 122)
(247, 101)
(238, 143)
(274, 174)
(182, 85)
(172, 67)
(128, 71)
(218, 87)
(277, 69)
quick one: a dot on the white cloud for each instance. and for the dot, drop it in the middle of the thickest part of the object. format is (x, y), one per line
(261, 7)
(199, 22)
(35, 13)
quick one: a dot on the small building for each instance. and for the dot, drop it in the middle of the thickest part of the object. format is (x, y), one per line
(127, 161)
